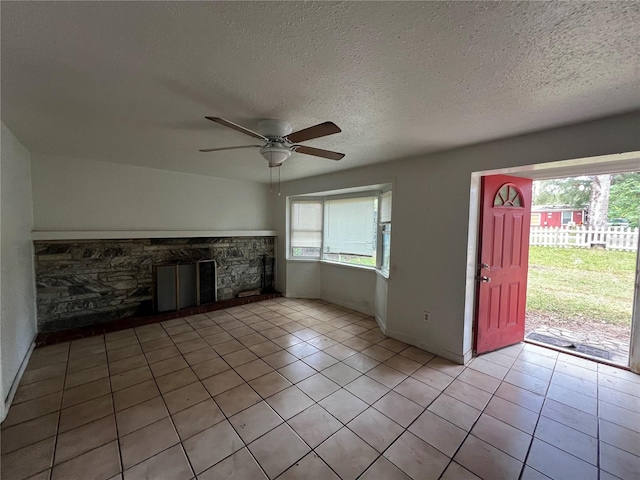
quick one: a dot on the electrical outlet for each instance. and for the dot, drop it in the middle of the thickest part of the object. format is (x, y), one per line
(425, 317)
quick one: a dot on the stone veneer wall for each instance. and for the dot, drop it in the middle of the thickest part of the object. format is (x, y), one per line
(85, 282)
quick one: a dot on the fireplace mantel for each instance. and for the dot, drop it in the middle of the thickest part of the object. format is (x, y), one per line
(126, 234)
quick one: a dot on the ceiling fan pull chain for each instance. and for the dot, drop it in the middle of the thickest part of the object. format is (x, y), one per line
(271, 180)
(279, 180)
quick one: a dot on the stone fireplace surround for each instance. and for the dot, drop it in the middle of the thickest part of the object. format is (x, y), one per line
(89, 282)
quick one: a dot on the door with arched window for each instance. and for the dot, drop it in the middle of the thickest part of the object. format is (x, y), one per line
(505, 218)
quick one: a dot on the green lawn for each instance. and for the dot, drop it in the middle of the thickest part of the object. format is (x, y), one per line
(576, 283)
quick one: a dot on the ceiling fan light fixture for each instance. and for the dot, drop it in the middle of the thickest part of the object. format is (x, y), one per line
(276, 156)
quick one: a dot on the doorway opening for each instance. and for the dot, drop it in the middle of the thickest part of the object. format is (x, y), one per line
(612, 165)
(582, 263)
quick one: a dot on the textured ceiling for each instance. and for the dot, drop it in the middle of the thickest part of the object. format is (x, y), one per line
(130, 82)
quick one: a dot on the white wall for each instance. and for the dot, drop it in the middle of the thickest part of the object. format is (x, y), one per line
(348, 286)
(431, 219)
(71, 194)
(17, 304)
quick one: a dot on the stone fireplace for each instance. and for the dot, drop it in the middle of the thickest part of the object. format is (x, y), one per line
(86, 282)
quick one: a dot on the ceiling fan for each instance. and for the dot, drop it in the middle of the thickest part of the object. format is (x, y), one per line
(279, 142)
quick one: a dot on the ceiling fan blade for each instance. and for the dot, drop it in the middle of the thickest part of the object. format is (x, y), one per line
(237, 127)
(318, 152)
(229, 148)
(317, 131)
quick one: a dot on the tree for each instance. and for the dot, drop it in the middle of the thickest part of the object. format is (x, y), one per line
(625, 197)
(599, 202)
(573, 192)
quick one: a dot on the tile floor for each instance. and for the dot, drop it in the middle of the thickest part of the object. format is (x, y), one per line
(295, 389)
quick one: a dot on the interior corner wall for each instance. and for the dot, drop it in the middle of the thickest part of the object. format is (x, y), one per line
(17, 298)
(431, 221)
(76, 194)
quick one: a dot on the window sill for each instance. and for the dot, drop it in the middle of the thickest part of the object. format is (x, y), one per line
(384, 275)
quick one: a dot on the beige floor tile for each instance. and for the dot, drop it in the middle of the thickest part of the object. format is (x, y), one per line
(255, 421)
(82, 439)
(192, 345)
(237, 399)
(520, 396)
(318, 387)
(184, 337)
(376, 429)
(416, 458)
(322, 342)
(170, 365)
(140, 415)
(480, 380)
(201, 355)
(170, 464)
(620, 399)
(457, 472)
(383, 469)
(502, 436)
(417, 391)
(185, 397)
(210, 367)
(340, 352)
(393, 345)
(39, 389)
(614, 414)
(302, 350)
(27, 461)
(124, 352)
(457, 412)
(489, 368)
(320, 361)
(529, 473)
(241, 331)
(289, 402)
(398, 408)
(378, 353)
(269, 384)
(222, 382)
(367, 389)
(626, 385)
(44, 475)
(265, 348)
(239, 357)
(100, 463)
(164, 353)
(217, 338)
(346, 454)
(527, 382)
(533, 369)
(438, 432)
(565, 438)
(314, 425)
(341, 373)
(278, 450)
(227, 348)
(620, 437)
(618, 462)
(417, 355)
(239, 466)
(468, 394)
(512, 414)
(85, 392)
(541, 360)
(175, 380)
(212, 445)
(574, 418)
(311, 467)
(86, 412)
(297, 371)
(446, 366)
(197, 418)
(348, 339)
(280, 359)
(556, 463)
(432, 378)
(576, 371)
(252, 370)
(44, 373)
(286, 341)
(82, 363)
(487, 461)
(82, 352)
(147, 441)
(387, 376)
(130, 396)
(30, 432)
(343, 405)
(126, 364)
(573, 399)
(402, 364)
(130, 378)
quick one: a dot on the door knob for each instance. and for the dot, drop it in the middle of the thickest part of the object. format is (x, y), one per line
(485, 266)
(485, 279)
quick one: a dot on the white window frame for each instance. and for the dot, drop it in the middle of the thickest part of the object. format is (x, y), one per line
(322, 199)
(562, 222)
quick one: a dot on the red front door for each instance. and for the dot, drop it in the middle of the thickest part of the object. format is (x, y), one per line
(505, 219)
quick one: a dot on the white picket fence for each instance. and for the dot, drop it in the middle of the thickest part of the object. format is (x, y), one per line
(611, 238)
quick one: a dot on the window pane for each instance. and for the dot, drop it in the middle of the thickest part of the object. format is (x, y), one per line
(350, 228)
(385, 207)
(386, 246)
(306, 229)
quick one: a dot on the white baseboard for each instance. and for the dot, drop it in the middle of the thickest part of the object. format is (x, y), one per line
(357, 308)
(16, 381)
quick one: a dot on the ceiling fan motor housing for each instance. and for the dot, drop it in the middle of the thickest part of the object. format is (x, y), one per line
(275, 154)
